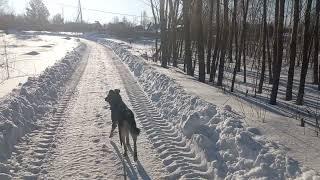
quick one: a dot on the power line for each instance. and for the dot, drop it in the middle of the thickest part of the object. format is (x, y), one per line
(146, 3)
(102, 11)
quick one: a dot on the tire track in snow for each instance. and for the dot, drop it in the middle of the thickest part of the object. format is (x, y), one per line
(84, 150)
(176, 153)
(31, 154)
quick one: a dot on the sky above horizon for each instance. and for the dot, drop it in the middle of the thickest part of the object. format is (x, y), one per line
(92, 10)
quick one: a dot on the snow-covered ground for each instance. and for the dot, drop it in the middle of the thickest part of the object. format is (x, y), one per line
(279, 123)
(230, 146)
(24, 107)
(138, 47)
(189, 130)
(72, 142)
(29, 54)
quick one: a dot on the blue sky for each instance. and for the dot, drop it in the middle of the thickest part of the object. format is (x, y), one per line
(132, 7)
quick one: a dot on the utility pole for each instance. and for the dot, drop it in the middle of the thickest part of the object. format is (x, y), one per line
(79, 15)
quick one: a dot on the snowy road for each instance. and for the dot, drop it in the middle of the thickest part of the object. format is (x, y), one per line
(74, 144)
(84, 149)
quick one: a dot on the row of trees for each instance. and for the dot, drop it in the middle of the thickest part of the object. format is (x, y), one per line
(36, 17)
(265, 34)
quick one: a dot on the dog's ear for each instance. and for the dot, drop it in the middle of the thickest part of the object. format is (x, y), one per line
(117, 91)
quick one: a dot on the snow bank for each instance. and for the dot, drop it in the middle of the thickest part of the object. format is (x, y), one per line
(232, 150)
(20, 110)
(29, 55)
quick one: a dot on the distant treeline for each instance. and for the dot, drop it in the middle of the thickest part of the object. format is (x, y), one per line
(19, 23)
(37, 16)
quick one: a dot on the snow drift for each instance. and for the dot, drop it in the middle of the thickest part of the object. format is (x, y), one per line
(20, 110)
(231, 149)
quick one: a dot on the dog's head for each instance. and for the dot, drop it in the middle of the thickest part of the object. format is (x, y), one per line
(113, 96)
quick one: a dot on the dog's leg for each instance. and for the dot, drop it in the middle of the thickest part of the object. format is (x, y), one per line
(114, 125)
(120, 136)
(123, 140)
(125, 154)
(135, 155)
(127, 139)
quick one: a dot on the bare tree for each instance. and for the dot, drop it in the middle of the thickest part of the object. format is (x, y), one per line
(210, 37)
(37, 13)
(224, 43)
(57, 19)
(245, 6)
(316, 45)
(264, 39)
(278, 61)
(3, 4)
(305, 60)
(269, 60)
(293, 50)
(217, 44)
(236, 42)
(155, 17)
(202, 73)
(175, 46)
(275, 36)
(187, 38)
(163, 24)
(233, 30)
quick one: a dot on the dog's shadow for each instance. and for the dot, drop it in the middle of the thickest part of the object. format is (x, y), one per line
(129, 170)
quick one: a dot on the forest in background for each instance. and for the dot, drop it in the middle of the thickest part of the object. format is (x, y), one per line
(268, 36)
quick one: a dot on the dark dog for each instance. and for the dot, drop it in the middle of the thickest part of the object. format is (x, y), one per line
(122, 116)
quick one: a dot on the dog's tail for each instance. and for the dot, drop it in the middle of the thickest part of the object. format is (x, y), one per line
(136, 131)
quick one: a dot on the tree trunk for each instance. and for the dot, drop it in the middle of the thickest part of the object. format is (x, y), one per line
(305, 59)
(243, 38)
(293, 50)
(275, 40)
(224, 43)
(217, 44)
(319, 81)
(181, 47)
(278, 62)
(264, 39)
(202, 72)
(175, 46)
(155, 22)
(187, 43)
(169, 22)
(316, 45)
(269, 60)
(163, 29)
(209, 45)
(233, 30)
(234, 74)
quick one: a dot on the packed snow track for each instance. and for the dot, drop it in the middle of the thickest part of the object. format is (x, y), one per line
(74, 142)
